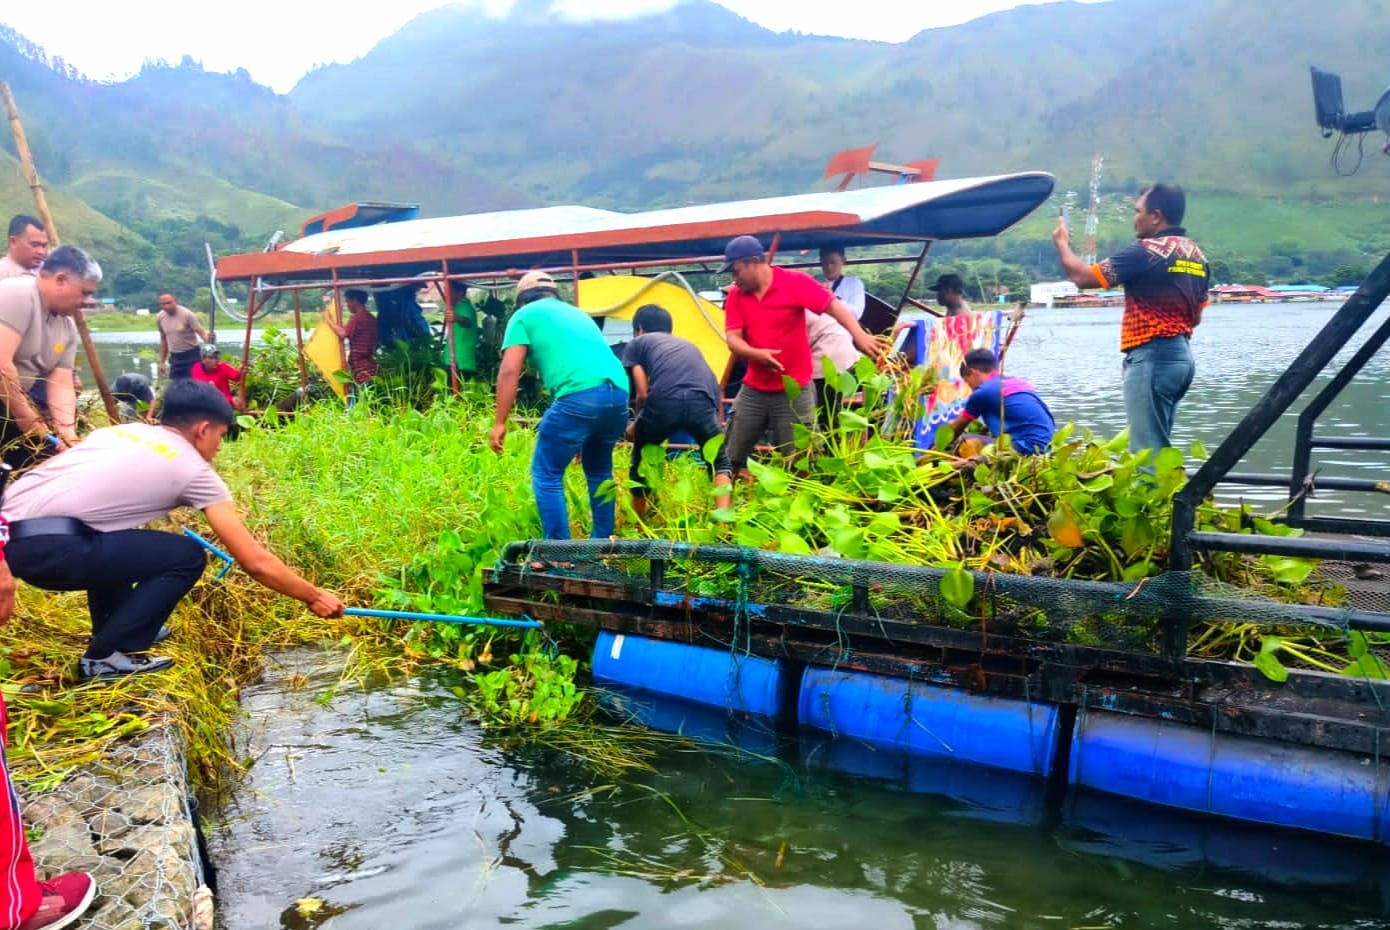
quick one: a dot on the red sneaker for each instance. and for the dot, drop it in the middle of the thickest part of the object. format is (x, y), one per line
(66, 897)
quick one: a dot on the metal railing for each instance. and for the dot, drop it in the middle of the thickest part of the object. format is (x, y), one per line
(1302, 480)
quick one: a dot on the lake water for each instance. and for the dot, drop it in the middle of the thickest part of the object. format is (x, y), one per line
(391, 808)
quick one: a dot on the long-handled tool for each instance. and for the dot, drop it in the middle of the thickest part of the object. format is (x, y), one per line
(525, 623)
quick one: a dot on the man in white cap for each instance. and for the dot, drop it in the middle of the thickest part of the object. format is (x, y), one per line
(765, 323)
(588, 413)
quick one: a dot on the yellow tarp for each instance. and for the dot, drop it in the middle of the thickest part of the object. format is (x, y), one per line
(324, 350)
(692, 317)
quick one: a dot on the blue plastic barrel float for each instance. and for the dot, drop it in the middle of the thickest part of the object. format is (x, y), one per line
(1173, 840)
(699, 722)
(1256, 780)
(717, 677)
(975, 792)
(930, 720)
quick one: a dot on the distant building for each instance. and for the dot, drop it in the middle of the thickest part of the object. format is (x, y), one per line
(1243, 294)
(1048, 292)
(1301, 291)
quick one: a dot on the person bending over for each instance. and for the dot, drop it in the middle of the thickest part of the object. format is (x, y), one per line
(674, 391)
(75, 526)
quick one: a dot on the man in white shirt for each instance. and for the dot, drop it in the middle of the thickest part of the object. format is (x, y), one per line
(75, 525)
(848, 288)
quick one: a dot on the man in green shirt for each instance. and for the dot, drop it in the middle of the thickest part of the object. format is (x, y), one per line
(588, 412)
(465, 336)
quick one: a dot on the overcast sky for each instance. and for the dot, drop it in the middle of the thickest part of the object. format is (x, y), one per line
(278, 40)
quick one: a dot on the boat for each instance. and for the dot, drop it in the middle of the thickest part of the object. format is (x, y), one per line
(615, 261)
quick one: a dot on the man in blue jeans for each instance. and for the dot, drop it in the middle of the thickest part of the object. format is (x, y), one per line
(1165, 276)
(588, 412)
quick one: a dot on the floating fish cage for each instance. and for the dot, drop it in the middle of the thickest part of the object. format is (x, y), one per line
(1070, 686)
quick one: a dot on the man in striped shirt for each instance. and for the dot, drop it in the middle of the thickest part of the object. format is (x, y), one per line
(1165, 277)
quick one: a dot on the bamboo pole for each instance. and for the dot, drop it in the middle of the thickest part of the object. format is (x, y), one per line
(31, 174)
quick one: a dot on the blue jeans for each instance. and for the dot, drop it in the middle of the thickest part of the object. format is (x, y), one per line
(588, 424)
(1156, 376)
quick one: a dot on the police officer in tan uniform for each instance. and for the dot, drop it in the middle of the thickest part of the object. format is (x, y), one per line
(38, 346)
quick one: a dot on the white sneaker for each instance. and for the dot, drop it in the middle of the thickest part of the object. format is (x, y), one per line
(119, 665)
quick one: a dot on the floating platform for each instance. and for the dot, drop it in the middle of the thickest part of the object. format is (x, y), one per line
(1206, 737)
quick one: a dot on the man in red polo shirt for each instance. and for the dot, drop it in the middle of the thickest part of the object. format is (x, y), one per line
(219, 374)
(765, 324)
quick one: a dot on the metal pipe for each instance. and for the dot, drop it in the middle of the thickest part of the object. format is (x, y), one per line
(448, 294)
(574, 271)
(246, 344)
(912, 278)
(1307, 419)
(1330, 483)
(227, 560)
(338, 318)
(674, 262)
(1355, 526)
(1345, 550)
(1363, 443)
(299, 341)
(1287, 388)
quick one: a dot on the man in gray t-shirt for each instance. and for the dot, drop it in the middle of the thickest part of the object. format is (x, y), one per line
(75, 526)
(180, 335)
(675, 392)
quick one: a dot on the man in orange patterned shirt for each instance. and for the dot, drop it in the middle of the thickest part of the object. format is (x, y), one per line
(1165, 277)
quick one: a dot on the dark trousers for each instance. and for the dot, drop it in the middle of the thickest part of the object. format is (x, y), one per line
(662, 418)
(133, 579)
(181, 363)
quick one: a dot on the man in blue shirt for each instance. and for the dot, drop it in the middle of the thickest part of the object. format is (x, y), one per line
(1006, 405)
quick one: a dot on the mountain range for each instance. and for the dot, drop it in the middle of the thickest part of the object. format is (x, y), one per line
(464, 113)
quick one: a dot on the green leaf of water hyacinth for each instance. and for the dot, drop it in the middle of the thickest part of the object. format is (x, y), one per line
(1270, 666)
(958, 587)
(1168, 459)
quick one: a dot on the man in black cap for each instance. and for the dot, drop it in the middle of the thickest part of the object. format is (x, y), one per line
(950, 293)
(75, 528)
(765, 323)
(134, 395)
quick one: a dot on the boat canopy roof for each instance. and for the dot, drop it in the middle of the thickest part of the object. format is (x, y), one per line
(365, 213)
(549, 237)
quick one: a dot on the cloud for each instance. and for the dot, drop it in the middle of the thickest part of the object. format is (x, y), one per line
(586, 10)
